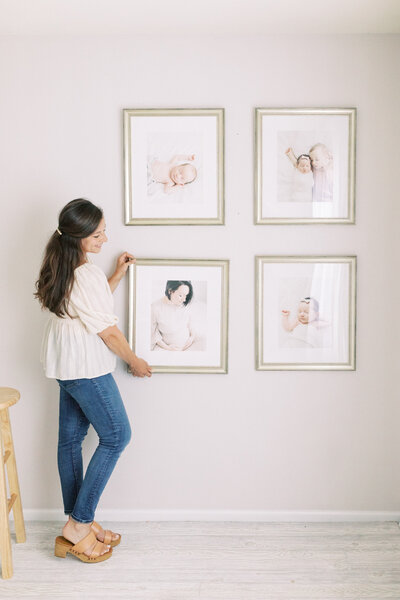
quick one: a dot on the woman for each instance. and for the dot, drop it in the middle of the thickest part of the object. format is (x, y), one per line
(172, 327)
(79, 349)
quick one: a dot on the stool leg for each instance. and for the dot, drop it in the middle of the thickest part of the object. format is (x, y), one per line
(5, 541)
(13, 476)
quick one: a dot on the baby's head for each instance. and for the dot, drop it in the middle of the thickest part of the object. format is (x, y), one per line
(320, 157)
(308, 310)
(304, 163)
(182, 174)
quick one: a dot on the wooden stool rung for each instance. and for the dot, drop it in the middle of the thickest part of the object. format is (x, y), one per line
(11, 501)
(8, 474)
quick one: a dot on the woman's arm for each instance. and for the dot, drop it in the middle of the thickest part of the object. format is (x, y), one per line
(192, 334)
(123, 263)
(117, 342)
(189, 342)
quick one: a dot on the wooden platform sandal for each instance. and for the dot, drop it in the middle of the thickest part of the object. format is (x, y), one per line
(96, 528)
(64, 546)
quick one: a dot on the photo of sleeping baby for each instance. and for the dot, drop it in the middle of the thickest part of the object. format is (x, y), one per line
(174, 167)
(179, 316)
(305, 166)
(304, 322)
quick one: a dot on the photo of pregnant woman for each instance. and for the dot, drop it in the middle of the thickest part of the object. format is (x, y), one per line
(178, 316)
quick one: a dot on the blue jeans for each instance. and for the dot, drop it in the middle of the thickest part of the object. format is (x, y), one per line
(83, 402)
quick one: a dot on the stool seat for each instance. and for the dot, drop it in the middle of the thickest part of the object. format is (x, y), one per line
(8, 466)
(8, 397)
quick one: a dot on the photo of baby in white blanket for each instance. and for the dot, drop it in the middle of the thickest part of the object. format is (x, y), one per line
(306, 328)
(305, 313)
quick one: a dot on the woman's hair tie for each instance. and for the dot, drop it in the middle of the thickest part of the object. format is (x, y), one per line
(58, 231)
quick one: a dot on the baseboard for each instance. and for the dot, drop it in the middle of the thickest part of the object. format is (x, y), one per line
(269, 516)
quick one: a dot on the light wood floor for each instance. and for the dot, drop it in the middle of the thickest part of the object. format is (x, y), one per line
(215, 561)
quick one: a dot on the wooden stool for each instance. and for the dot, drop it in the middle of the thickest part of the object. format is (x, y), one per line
(8, 397)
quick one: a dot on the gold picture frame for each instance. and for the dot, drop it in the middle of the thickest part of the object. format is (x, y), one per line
(305, 192)
(156, 325)
(324, 286)
(159, 141)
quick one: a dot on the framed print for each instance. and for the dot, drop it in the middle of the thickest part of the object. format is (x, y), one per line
(174, 166)
(178, 314)
(305, 165)
(305, 312)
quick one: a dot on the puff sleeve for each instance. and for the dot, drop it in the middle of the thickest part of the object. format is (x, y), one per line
(91, 299)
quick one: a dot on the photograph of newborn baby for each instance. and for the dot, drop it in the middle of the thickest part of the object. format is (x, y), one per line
(174, 166)
(304, 320)
(179, 316)
(305, 312)
(305, 165)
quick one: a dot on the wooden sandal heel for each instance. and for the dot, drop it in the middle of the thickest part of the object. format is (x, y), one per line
(60, 549)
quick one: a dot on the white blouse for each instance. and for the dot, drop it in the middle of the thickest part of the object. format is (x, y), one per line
(71, 348)
(170, 323)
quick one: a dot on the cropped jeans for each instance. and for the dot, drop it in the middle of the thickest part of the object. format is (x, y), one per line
(83, 402)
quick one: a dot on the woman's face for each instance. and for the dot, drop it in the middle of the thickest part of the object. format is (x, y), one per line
(178, 297)
(94, 242)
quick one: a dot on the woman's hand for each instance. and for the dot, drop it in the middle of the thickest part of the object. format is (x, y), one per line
(123, 263)
(140, 368)
(165, 346)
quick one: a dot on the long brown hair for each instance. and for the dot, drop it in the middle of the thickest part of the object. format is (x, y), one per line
(63, 254)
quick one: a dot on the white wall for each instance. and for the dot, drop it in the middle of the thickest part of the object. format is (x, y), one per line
(248, 440)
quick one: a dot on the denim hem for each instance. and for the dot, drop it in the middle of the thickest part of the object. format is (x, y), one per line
(80, 520)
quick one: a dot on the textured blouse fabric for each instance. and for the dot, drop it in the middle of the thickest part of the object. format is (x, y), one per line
(71, 348)
(169, 323)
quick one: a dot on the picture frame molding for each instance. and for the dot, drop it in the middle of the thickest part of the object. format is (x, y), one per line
(260, 365)
(220, 139)
(351, 112)
(222, 368)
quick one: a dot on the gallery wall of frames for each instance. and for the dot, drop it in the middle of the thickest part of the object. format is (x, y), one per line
(304, 173)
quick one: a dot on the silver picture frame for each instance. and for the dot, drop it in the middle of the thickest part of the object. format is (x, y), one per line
(147, 136)
(290, 280)
(277, 200)
(147, 296)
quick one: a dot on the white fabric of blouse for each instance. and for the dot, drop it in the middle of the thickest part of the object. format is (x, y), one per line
(170, 323)
(71, 348)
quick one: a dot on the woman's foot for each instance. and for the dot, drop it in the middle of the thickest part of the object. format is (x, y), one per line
(112, 538)
(75, 532)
